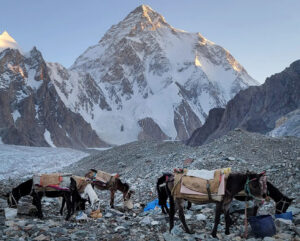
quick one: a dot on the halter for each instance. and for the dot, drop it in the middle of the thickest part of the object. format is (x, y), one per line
(282, 200)
(247, 189)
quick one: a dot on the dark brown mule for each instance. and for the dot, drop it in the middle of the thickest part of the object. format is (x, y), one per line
(26, 188)
(114, 185)
(235, 183)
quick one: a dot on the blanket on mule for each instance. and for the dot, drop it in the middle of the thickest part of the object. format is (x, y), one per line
(81, 183)
(195, 188)
(51, 182)
(104, 179)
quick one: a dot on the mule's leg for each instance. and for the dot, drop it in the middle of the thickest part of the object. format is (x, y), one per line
(228, 222)
(255, 209)
(166, 208)
(69, 205)
(112, 197)
(62, 206)
(217, 219)
(172, 213)
(189, 205)
(37, 202)
(180, 203)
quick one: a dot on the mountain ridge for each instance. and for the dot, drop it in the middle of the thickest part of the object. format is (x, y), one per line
(257, 108)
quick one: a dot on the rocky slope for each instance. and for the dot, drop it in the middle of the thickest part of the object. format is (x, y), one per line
(146, 69)
(141, 163)
(257, 109)
(31, 112)
(288, 125)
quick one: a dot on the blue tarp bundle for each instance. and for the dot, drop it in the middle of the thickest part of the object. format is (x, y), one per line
(287, 215)
(152, 205)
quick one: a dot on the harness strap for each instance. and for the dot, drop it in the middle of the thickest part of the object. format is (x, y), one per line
(208, 190)
(281, 201)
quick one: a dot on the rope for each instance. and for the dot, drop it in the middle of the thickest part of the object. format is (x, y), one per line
(246, 220)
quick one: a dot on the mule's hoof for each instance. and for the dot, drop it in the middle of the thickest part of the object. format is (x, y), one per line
(190, 232)
(227, 232)
(214, 234)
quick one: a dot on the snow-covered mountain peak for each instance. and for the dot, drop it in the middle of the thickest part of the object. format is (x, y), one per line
(146, 18)
(157, 79)
(7, 41)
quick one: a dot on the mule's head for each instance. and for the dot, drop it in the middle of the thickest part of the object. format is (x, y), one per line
(91, 174)
(127, 193)
(257, 184)
(283, 205)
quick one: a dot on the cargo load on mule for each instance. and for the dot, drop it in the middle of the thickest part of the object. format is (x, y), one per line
(51, 182)
(200, 186)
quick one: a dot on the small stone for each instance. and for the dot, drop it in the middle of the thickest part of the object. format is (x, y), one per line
(268, 239)
(146, 220)
(41, 237)
(108, 215)
(201, 217)
(294, 210)
(119, 228)
(153, 223)
(283, 224)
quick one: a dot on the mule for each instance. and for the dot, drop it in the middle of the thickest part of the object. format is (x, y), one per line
(85, 193)
(282, 202)
(26, 188)
(235, 183)
(115, 185)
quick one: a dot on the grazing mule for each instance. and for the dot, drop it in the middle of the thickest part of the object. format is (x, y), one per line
(282, 201)
(26, 188)
(114, 185)
(235, 183)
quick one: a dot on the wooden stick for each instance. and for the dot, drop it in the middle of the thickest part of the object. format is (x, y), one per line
(246, 221)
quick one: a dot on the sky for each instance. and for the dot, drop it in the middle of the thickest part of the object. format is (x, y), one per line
(262, 35)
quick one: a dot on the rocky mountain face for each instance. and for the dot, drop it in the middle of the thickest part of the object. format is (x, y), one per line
(150, 75)
(31, 111)
(257, 109)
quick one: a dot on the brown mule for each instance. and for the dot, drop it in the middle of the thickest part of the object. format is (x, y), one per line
(106, 181)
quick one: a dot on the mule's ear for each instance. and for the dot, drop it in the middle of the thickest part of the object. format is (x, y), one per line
(262, 173)
(290, 199)
(93, 170)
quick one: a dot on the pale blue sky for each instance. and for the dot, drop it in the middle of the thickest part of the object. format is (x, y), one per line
(263, 35)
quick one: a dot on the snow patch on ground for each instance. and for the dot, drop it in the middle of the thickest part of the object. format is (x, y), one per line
(23, 161)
